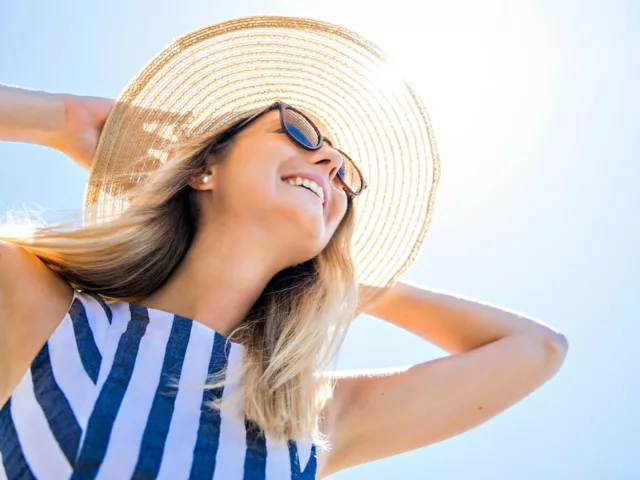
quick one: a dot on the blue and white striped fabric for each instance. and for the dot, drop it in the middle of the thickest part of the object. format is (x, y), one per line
(97, 402)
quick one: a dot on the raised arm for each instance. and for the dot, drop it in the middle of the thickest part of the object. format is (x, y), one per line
(68, 123)
(498, 358)
(33, 299)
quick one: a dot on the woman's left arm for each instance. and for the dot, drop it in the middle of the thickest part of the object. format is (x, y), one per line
(453, 323)
(498, 358)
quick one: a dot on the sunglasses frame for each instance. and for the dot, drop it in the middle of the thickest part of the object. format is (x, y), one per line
(281, 106)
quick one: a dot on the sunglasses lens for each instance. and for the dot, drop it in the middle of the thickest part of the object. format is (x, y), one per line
(304, 132)
(349, 174)
(301, 129)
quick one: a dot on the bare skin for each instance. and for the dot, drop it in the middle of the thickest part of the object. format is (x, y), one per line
(68, 123)
(85, 117)
(497, 357)
(253, 225)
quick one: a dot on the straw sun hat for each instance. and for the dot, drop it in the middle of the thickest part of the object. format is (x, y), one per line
(210, 74)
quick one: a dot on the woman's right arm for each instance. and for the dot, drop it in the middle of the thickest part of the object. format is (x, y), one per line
(30, 116)
(33, 298)
(71, 124)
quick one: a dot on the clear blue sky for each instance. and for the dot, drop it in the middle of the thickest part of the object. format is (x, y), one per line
(535, 107)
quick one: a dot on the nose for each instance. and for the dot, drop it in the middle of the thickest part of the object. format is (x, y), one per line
(328, 158)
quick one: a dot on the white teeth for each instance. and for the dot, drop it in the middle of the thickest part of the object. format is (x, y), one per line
(310, 184)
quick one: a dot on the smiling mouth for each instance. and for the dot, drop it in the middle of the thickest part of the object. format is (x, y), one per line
(307, 184)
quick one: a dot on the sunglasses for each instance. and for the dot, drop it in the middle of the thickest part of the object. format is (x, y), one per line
(304, 133)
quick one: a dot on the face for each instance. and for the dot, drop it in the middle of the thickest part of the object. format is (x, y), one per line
(255, 188)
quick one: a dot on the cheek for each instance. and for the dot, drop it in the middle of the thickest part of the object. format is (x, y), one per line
(339, 211)
(247, 187)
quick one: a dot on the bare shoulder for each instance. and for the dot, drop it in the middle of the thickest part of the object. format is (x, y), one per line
(33, 301)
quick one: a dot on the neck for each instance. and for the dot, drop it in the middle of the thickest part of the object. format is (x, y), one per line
(218, 281)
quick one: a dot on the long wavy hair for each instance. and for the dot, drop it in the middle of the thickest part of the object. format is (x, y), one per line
(291, 334)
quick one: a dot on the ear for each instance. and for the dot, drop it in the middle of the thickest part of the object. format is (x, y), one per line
(205, 181)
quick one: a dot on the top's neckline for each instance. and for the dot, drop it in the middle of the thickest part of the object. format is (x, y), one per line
(157, 310)
(193, 322)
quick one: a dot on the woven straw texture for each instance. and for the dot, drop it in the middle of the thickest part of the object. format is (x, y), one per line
(210, 74)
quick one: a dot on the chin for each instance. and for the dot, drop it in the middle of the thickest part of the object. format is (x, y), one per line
(316, 250)
(301, 244)
(309, 247)
(303, 226)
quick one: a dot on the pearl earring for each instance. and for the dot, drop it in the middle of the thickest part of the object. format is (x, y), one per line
(205, 179)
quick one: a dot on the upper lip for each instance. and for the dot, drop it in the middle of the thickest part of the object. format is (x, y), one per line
(316, 178)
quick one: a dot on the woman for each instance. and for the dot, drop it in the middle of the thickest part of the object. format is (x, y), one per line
(228, 241)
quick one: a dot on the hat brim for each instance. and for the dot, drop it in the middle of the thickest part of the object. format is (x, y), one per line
(342, 79)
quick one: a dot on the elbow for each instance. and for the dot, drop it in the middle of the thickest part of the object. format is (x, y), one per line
(556, 347)
(558, 344)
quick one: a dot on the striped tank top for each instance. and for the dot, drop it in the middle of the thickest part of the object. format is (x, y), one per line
(100, 401)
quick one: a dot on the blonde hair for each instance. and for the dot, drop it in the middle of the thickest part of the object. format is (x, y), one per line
(290, 335)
